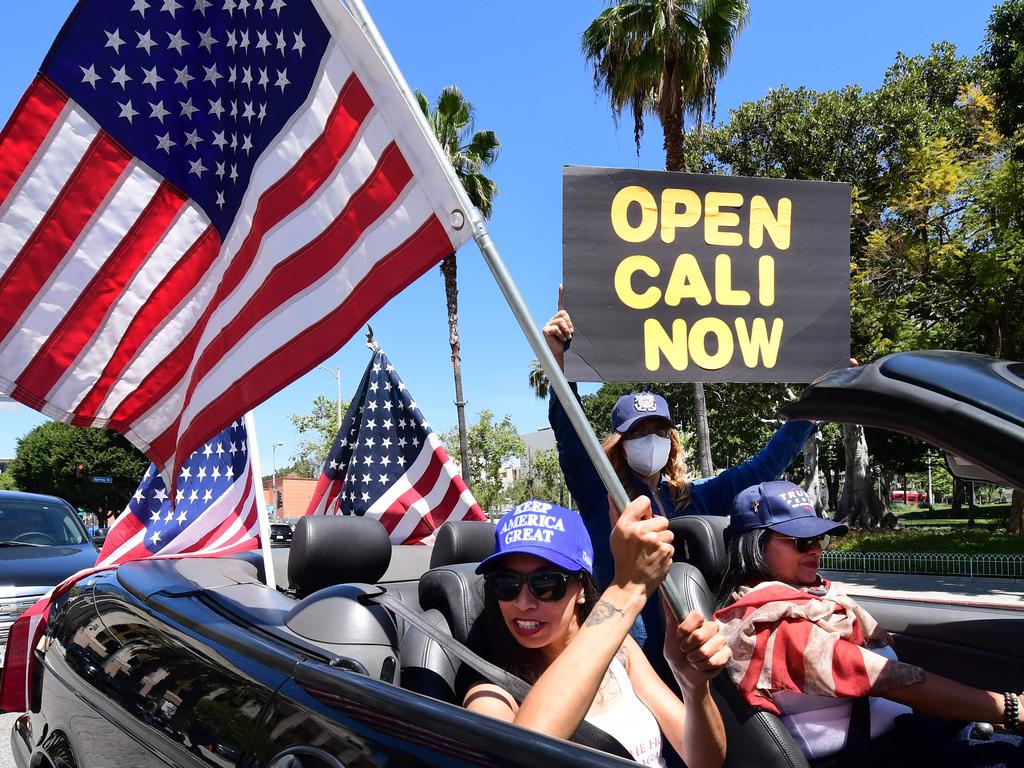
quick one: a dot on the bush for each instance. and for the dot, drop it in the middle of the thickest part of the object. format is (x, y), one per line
(969, 541)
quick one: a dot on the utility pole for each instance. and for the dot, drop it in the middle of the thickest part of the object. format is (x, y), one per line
(336, 373)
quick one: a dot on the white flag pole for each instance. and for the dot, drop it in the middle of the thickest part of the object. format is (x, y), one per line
(261, 504)
(508, 287)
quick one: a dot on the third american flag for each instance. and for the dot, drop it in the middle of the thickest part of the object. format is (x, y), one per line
(200, 201)
(387, 463)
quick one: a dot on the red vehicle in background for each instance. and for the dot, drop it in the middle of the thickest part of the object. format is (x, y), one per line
(909, 497)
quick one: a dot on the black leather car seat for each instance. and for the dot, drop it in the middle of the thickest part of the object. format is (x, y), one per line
(753, 737)
(451, 597)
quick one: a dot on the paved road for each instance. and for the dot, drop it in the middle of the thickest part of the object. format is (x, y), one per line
(1006, 593)
(6, 726)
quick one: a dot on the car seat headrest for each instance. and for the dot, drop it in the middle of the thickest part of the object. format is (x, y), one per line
(457, 591)
(337, 549)
(700, 541)
(465, 541)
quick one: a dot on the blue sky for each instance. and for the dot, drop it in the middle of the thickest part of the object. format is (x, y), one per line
(520, 66)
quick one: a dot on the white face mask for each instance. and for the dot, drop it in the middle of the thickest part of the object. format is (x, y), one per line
(648, 454)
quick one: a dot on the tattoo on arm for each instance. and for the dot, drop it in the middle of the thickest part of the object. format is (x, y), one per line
(602, 611)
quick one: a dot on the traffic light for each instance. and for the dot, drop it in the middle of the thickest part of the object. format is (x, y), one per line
(280, 500)
(80, 471)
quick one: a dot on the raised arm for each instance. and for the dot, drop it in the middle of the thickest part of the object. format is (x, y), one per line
(714, 495)
(581, 478)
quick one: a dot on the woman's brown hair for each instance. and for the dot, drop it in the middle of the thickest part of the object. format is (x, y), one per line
(675, 468)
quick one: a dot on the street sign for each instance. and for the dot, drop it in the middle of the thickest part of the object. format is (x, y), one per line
(102, 479)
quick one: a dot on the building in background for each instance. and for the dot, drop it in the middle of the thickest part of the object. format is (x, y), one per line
(293, 493)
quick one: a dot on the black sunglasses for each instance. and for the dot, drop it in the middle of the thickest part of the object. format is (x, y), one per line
(803, 544)
(549, 586)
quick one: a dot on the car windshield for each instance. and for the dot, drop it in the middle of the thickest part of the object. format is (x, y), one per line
(38, 522)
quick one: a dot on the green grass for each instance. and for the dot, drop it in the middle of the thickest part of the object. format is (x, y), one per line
(974, 541)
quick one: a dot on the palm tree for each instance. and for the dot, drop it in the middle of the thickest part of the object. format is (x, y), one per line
(539, 380)
(469, 153)
(664, 58)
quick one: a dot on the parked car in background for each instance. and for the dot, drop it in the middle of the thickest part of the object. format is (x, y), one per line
(280, 533)
(42, 542)
(98, 535)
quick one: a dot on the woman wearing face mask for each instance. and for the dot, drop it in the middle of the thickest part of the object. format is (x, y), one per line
(648, 457)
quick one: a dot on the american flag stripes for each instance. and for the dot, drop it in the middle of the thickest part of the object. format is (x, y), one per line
(216, 509)
(199, 202)
(386, 462)
(809, 640)
(217, 513)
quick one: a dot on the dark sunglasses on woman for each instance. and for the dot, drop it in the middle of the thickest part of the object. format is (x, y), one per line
(549, 586)
(803, 544)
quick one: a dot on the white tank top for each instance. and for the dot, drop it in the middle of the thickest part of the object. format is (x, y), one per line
(630, 721)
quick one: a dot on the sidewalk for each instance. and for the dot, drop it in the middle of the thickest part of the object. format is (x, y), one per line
(1005, 593)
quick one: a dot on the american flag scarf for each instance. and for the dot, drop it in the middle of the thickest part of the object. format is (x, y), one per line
(807, 640)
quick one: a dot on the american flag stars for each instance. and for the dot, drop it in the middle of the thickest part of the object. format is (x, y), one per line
(191, 83)
(208, 474)
(387, 463)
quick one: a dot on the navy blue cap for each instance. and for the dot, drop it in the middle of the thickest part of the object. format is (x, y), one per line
(629, 409)
(784, 507)
(550, 532)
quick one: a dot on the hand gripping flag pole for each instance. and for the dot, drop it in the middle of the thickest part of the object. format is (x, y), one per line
(508, 287)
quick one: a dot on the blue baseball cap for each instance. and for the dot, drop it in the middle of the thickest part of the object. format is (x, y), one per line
(629, 409)
(783, 507)
(550, 532)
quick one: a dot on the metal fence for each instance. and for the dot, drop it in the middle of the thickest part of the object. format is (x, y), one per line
(931, 564)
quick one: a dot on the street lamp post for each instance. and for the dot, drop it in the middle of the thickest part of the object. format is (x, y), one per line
(336, 373)
(273, 470)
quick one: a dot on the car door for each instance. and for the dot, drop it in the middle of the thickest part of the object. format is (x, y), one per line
(171, 700)
(975, 645)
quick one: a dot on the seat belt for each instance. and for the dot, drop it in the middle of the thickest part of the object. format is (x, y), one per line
(857, 752)
(586, 734)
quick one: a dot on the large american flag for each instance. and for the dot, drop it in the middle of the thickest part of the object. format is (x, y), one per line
(199, 202)
(217, 513)
(386, 462)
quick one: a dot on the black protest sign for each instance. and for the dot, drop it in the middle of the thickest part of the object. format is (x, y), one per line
(687, 277)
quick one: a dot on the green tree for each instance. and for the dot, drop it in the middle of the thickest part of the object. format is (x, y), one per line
(48, 458)
(470, 152)
(320, 426)
(491, 444)
(541, 478)
(664, 58)
(1003, 58)
(7, 482)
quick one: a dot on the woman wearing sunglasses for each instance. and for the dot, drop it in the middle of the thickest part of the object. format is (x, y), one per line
(803, 650)
(544, 621)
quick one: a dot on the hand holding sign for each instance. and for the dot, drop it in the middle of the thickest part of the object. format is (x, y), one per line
(557, 331)
(641, 547)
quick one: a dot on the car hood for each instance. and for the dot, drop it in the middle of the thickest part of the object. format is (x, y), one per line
(970, 405)
(43, 566)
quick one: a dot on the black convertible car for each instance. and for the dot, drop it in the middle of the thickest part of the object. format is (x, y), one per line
(197, 663)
